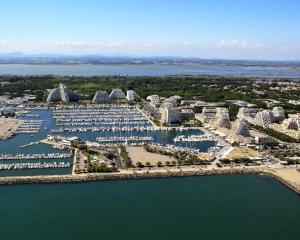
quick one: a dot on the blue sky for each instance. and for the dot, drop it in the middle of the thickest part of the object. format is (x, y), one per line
(256, 29)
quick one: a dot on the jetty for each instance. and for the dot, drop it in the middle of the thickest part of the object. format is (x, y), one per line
(163, 173)
(23, 156)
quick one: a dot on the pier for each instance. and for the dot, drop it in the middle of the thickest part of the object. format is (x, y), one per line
(39, 165)
(35, 156)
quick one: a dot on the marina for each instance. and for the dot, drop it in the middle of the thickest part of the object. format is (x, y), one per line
(39, 165)
(194, 138)
(34, 156)
(98, 124)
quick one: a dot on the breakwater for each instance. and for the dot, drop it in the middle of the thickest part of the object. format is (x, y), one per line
(143, 175)
(118, 176)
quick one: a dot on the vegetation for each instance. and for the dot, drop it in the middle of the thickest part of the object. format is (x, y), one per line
(275, 134)
(125, 157)
(208, 88)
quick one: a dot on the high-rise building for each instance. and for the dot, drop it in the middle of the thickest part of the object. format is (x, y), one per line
(241, 128)
(264, 118)
(154, 100)
(170, 115)
(63, 94)
(222, 119)
(117, 93)
(278, 113)
(101, 97)
(130, 95)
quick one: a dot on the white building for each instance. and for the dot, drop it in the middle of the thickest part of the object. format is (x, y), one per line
(117, 93)
(264, 118)
(170, 115)
(278, 113)
(241, 127)
(208, 114)
(170, 102)
(1, 107)
(222, 118)
(154, 100)
(130, 95)
(293, 122)
(101, 97)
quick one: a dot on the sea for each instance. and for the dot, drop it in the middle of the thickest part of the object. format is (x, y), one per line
(241, 207)
(257, 71)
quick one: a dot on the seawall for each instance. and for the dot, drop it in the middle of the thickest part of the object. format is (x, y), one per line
(145, 175)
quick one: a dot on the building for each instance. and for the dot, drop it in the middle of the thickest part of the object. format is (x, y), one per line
(264, 118)
(117, 93)
(222, 119)
(154, 100)
(239, 103)
(278, 113)
(170, 115)
(209, 104)
(101, 97)
(241, 128)
(62, 94)
(294, 102)
(208, 114)
(1, 108)
(293, 122)
(130, 95)
(170, 102)
(246, 113)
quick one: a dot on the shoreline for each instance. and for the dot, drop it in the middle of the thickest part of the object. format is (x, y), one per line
(64, 179)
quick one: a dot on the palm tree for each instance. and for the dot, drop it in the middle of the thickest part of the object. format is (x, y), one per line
(159, 164)
(148, 164)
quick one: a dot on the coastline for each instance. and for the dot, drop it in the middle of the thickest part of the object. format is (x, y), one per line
(63, 179)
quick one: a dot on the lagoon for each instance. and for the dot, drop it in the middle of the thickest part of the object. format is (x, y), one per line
(149, 70)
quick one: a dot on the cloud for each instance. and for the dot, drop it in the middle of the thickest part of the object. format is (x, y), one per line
(147, 45)
(259, 45)
(232, 43)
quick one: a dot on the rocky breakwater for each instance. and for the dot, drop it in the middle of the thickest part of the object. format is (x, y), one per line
(120, 176)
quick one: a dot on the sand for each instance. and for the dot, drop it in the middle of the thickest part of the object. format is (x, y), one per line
(139, 154)
(242, 152)
(8, 126)
(289, 174)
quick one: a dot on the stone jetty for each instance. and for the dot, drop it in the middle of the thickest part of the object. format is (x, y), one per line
(145, 175)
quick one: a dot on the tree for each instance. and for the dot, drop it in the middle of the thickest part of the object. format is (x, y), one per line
(159, 164)
(148, 164)
(139, 165)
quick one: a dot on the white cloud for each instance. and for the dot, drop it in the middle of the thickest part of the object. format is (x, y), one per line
(232, 43)
(259, 45)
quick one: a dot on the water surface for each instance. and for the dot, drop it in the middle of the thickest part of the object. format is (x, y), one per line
(149, 70)
(242, 207)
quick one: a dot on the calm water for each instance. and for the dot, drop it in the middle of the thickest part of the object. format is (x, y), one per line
(216, 207)
(150, 70)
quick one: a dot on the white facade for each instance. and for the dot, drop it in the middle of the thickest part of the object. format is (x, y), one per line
(264, 118)
(241, 127)
(101, 97)
(130, 95)
(170, 115)
(154, 100)
(222, 118)
(278, 113)
(117, 93)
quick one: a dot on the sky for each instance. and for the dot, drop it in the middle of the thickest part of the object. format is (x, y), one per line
(230, 29)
